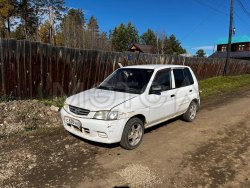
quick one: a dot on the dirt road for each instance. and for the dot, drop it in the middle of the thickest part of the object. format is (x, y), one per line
(213, 151)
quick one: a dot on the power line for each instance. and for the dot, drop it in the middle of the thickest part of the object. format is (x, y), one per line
(241, 19)
(211, 7)
(201, 22)
(243, 8)
(245, 1)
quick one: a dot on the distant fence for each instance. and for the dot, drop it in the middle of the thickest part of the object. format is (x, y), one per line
(33, 69)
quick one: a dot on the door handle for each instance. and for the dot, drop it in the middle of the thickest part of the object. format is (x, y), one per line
(190, 90)
(172, 95)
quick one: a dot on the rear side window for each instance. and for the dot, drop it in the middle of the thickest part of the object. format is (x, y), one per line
(182, 77)
(188, 76)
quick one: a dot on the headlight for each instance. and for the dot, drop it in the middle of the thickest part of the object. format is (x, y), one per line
(106, 115)
(65, 106)
(101, 115)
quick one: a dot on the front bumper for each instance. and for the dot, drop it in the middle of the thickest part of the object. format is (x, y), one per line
(96, 130)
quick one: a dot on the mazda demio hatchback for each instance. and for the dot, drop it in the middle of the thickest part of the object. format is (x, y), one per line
(130, 100)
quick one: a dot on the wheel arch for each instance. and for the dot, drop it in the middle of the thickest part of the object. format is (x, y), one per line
(139, 116)
(196, 102)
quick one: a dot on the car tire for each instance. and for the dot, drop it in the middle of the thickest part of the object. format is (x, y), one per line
(132, 134)
(190, 114)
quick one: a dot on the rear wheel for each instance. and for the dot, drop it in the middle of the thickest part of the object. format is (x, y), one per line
(132, 134)
(191, 112)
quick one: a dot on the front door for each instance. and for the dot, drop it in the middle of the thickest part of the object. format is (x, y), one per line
(162, 103)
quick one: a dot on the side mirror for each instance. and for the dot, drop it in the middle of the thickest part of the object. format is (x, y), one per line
(155, 89)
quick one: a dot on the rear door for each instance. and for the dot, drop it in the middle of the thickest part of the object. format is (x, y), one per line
(183, 87)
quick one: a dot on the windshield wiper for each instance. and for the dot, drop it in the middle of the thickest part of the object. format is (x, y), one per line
(128, 90)
(133, 90)
(120, 89)
(105, 87)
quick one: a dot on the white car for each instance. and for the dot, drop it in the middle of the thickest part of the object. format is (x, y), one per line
(130, 100)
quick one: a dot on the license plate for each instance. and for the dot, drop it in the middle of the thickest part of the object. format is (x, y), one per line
(73, 122)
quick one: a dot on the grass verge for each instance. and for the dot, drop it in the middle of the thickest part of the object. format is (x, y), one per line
(56, 101)
(220, 85)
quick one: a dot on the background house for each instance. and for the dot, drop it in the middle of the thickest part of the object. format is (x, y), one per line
(142, 48)
(240, 48)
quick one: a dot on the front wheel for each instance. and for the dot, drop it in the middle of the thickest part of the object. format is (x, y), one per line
(132, 134)
(191, 112)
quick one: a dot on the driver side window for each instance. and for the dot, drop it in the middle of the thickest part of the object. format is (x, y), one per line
(163, 79)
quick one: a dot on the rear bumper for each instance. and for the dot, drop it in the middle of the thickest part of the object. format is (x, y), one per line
(96, 130)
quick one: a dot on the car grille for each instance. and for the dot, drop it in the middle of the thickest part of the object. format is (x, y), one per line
(79, 111)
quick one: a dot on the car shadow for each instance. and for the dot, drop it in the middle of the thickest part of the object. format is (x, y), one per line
(114, 145)
(165, 123)
(98, 144)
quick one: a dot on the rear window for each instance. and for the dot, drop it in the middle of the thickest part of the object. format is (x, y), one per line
(183, 77)
(188, 76)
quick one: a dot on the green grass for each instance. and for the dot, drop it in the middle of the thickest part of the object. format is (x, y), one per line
(57, 101)
(219, 85)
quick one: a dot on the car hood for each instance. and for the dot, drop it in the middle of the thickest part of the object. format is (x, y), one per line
(98, 99)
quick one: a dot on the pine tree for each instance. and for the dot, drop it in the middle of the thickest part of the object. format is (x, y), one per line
(200, 53)
(93, 25)
(26, 12)
(149, 38)
(132, 32)
(71, 27)
(172, 46)
(123, 36)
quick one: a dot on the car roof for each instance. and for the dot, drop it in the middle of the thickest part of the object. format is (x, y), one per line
(155, 66)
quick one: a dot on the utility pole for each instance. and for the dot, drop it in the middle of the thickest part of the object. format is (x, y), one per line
(229, 37)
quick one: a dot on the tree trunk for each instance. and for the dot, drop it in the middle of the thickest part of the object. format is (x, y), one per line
(53, 31)
(37, 20)
(8, 27)
(51, 25)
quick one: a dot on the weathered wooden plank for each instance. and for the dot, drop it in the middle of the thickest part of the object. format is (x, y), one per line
(8, 68)
(21, 68)
(13, 67)
(60, 70)
(39, 71)
(53, 71)
(18, 54)
(35, 67)
(74, 63)
(2, 77)
(30, 70)
(66, 71)
(43, 72)
(26, 69)
(47, 76)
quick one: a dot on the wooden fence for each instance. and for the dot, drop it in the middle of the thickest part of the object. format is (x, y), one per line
(33, 69)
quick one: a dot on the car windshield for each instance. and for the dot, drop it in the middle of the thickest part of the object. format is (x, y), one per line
(129, 80)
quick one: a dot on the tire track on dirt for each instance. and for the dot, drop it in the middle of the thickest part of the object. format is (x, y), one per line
(218, 162)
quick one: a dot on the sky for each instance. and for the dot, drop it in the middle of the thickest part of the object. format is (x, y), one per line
(197, 24)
